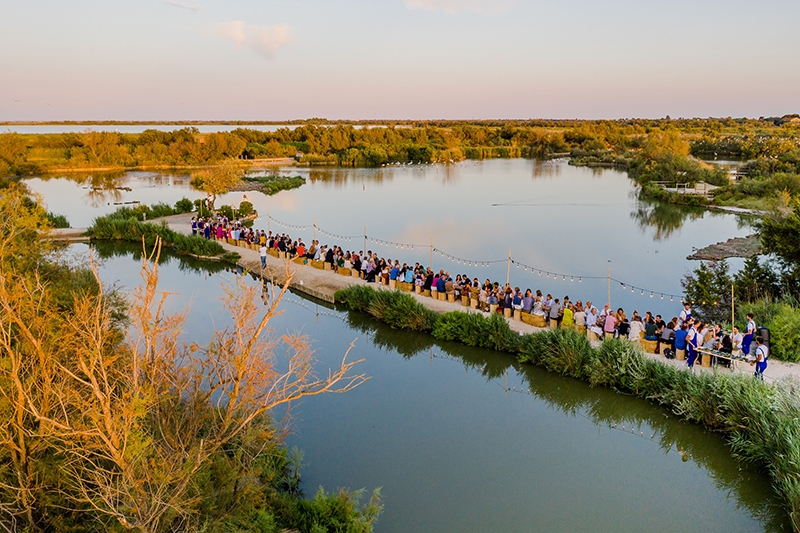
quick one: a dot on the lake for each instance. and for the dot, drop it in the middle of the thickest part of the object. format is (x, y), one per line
(569, 226)
(454, 451)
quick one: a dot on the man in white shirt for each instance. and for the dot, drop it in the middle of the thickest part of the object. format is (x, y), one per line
(736, 340)
(686, 313)
(263, 252)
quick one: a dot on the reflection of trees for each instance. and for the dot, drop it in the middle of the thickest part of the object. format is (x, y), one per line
(112, 249)
(666, 218)
(663, 217)
(603, 407)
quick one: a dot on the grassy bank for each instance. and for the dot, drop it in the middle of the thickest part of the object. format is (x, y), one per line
(758, 419)
(273, 184)
(131, 230)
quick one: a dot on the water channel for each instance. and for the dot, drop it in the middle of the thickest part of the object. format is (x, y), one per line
(453, 451)
(434, 426)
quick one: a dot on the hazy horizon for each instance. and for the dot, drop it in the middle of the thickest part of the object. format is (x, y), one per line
(90, 60)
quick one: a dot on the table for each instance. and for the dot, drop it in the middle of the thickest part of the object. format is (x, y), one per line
(730, 357)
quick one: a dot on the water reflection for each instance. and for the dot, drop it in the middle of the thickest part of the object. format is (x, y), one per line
(608, 410)
(437, 430)
(667, 219)
(664, 219)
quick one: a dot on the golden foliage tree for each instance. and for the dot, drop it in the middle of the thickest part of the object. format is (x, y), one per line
(129, 421)
(217, 180)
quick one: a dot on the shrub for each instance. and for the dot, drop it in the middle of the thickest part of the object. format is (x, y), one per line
(785, 333)
(57, 221)
(225, 210)
(245, 208)
(184, 205)
(131, 230)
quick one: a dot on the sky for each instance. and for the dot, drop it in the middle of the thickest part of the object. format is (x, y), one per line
(397, 59)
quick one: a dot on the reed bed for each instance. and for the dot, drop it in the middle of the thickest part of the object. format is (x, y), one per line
(132, 230)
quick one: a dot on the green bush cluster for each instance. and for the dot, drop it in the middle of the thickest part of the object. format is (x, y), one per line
(273, 184)
(759, 419)
(782, 318)
(149, 212)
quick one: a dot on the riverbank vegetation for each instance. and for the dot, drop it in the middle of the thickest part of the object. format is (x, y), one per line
(656, 153)
(110, 422)
(273, 184)
(758, 419)
(115, 227)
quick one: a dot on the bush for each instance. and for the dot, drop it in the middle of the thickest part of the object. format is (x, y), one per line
(131, 230)
(785, 333)
(245, 208)
(184, 205)
(225, 210)
(57, 221)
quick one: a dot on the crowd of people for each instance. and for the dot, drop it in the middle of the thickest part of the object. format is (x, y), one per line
(683, 332)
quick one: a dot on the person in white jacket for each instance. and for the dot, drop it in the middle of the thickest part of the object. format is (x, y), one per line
(636, 328)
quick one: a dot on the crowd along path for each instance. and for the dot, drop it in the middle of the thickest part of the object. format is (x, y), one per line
(323, 284)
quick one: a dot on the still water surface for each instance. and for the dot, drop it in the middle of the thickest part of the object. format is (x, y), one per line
(453, 452)
(580, 223)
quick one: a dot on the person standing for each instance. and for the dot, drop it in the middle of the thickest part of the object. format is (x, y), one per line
(555, 314)
(691, 347)
(749, 334)
(762, 353)
(686, 313)
(263, 253)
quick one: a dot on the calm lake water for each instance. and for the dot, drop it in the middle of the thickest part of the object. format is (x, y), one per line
(453, 451)
(577, 222)
(139, 128)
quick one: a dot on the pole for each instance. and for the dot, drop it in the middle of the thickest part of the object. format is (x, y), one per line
(505, 382)
(364, 251)
(314, 221)
(431, 254)
(609, 286)
(268, 228)
(508, 270)
(733, 315)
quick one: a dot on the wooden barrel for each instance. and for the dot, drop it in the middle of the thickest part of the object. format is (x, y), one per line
(507, 312)
(465, 300)
(538, 321)
(591, 335)
(392, 283)
(473, 303)
(427, 293)
(418, 289)
(434, 294)
(553, 324)
(355, 273)
(326, 266)
(608, 335)
(493, 308)
(518, 315)
(680, 355)
(451, 298)
(706, 359)
(442, 296)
